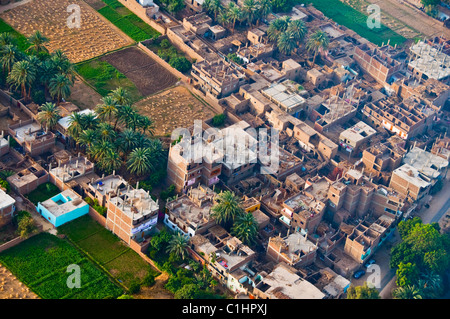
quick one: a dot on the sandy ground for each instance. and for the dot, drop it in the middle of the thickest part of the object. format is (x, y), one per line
(84, 96)
(157, 291)
(11, 288)
(173, 108)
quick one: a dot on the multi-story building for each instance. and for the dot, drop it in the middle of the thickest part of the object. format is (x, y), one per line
(7, 207)
(378, 62)
(295, 250)
(285, 96)
(408, 181)
(354, 195)
(70, 170)
(131, 214)
(353, 138)
(190, 213)
(367, 236)
(407, 119)
(217, 78)
(30, 135)
(311, 140)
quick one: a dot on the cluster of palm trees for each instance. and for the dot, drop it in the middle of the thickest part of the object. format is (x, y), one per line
(36, 67)
(251, 11)
(429, 285)
(288, 35)
(229, 213)
(113, 136)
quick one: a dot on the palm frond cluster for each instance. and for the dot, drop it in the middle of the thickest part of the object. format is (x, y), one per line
(36, 70)
(115, 135)
(228, 212)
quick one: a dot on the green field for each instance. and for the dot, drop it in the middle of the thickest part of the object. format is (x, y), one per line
(41, 263)
(345, 15)
(22, 42)
(42, 193)
(105, 78)
(127, 21)
(108, 250)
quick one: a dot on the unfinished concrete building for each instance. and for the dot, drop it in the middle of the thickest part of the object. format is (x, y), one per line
(354, 137)
(295, 250)
(217, 78)
(407, 119)
(367, 237)
(382, 158)
(354, 195)
(69, 171)
(429, 61)
(379, 62)
(28, 179)
(190, 213)
(431, 167)
(30, 135)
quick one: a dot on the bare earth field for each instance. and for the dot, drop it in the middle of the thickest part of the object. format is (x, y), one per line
(147, 74)
(11, 288)
(95, 36)
(157, 291)
(84, 96)
(175, 107)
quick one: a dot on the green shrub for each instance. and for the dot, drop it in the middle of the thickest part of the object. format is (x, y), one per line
(180, 63)
(169, 192)
(134, 288)
(5, 185)
(165, 44)
(125, 297)
(38, 97)
(219, 120)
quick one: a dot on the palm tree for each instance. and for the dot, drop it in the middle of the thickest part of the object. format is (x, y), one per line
(63, 64)
(108, 110)
(48, 115)
(9, 54)
(101, 150)
(265, 7)
(250, 9)
(224, 18)
(111, 161)
(106, 132)
(127, 140)
(37, 40)
(298, 30)
(318, 41)
(89, 121)
(124, 113)
(146, 124)
(276, 27)
(178, 245)
(227, 208)
(88, 138)
(60, 87)
(121, 96)
(75, 125)
(234, 14)
(22, 75)
(245, 228)
(7, 38)
(286, 42)
(215, 8)
(431, 284)
(47, 71)
(407, 292)
(140, 161)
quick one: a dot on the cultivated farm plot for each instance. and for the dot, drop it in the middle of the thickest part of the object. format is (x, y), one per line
(41, 263)
(173, 108)
(147, 75)
(108, 250)
(95, 36)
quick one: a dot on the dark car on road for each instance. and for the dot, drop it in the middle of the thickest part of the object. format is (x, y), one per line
(359, 274)
(369, 263)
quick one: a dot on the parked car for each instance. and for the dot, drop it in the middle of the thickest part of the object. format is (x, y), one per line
(359, 274)
(369, 263)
